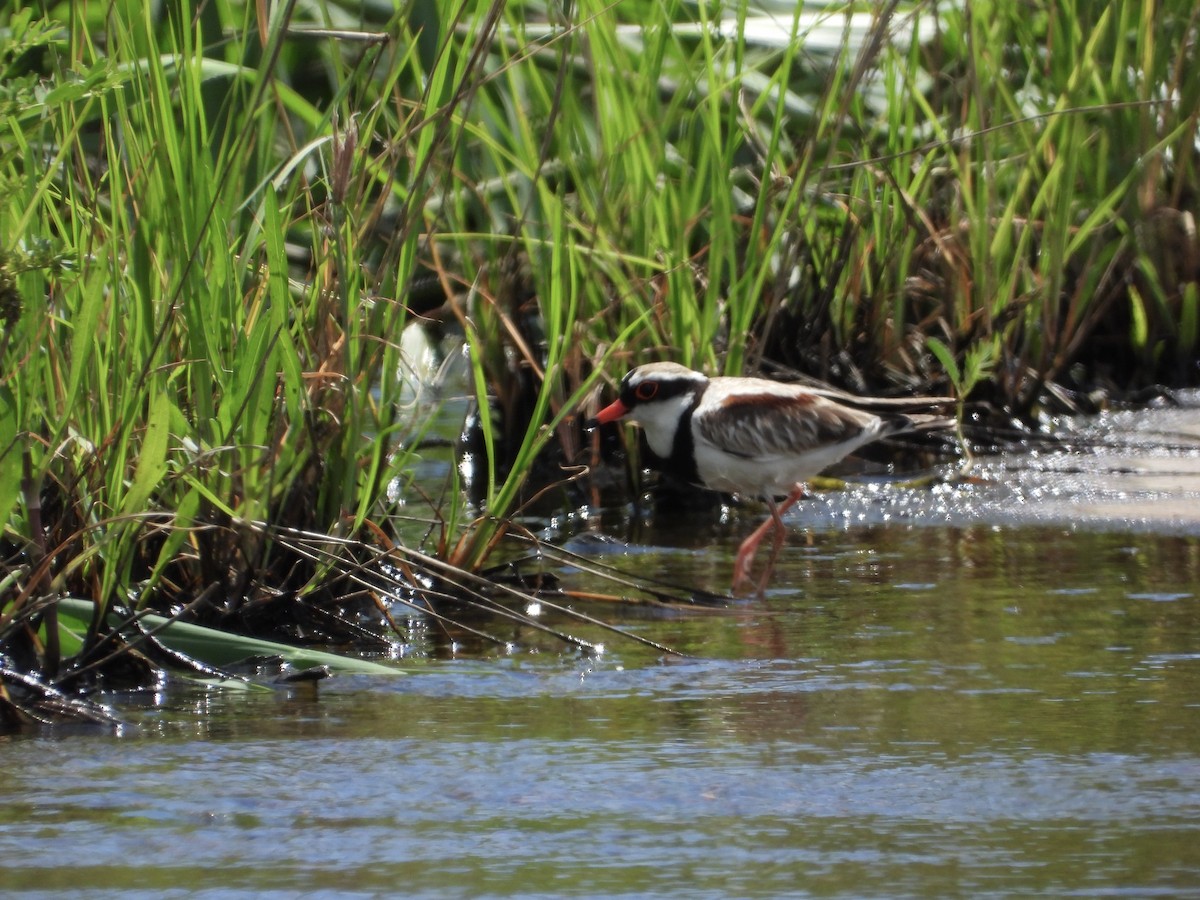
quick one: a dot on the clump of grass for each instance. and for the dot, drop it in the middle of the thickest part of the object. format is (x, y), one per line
(215, 346)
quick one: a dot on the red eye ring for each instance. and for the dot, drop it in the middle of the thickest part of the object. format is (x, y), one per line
(646, 390)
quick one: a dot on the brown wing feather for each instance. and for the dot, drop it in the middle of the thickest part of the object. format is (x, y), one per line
(770, 424)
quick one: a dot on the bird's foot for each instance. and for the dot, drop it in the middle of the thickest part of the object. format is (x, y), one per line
(744, 561)
(741, 572)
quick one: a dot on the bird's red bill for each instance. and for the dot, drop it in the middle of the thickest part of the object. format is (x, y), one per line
(611, 413)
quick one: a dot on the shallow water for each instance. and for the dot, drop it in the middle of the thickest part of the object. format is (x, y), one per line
(986, 709)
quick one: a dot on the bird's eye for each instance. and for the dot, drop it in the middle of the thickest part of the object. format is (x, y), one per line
(646, 390)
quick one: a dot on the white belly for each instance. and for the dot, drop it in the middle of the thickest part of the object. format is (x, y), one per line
(763, 475)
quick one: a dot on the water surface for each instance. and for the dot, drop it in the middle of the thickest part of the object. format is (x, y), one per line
(964, 708)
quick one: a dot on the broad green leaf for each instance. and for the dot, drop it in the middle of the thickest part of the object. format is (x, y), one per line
(219, 648)
(945, 357)
(152, 459)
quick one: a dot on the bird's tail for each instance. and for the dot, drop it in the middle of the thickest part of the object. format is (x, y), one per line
(898, 423)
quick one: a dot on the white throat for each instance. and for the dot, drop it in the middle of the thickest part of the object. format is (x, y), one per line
(660, 420)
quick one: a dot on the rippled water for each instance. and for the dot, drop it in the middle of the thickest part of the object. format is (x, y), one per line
(999, 709)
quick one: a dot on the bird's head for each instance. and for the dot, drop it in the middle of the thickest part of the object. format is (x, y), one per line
(656, 396)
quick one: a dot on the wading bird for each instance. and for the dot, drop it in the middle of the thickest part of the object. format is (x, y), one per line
(752, 436)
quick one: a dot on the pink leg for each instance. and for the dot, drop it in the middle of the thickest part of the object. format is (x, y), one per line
(776, 546)
(745, 554)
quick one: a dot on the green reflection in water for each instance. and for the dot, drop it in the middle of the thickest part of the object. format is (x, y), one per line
(911, 712)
